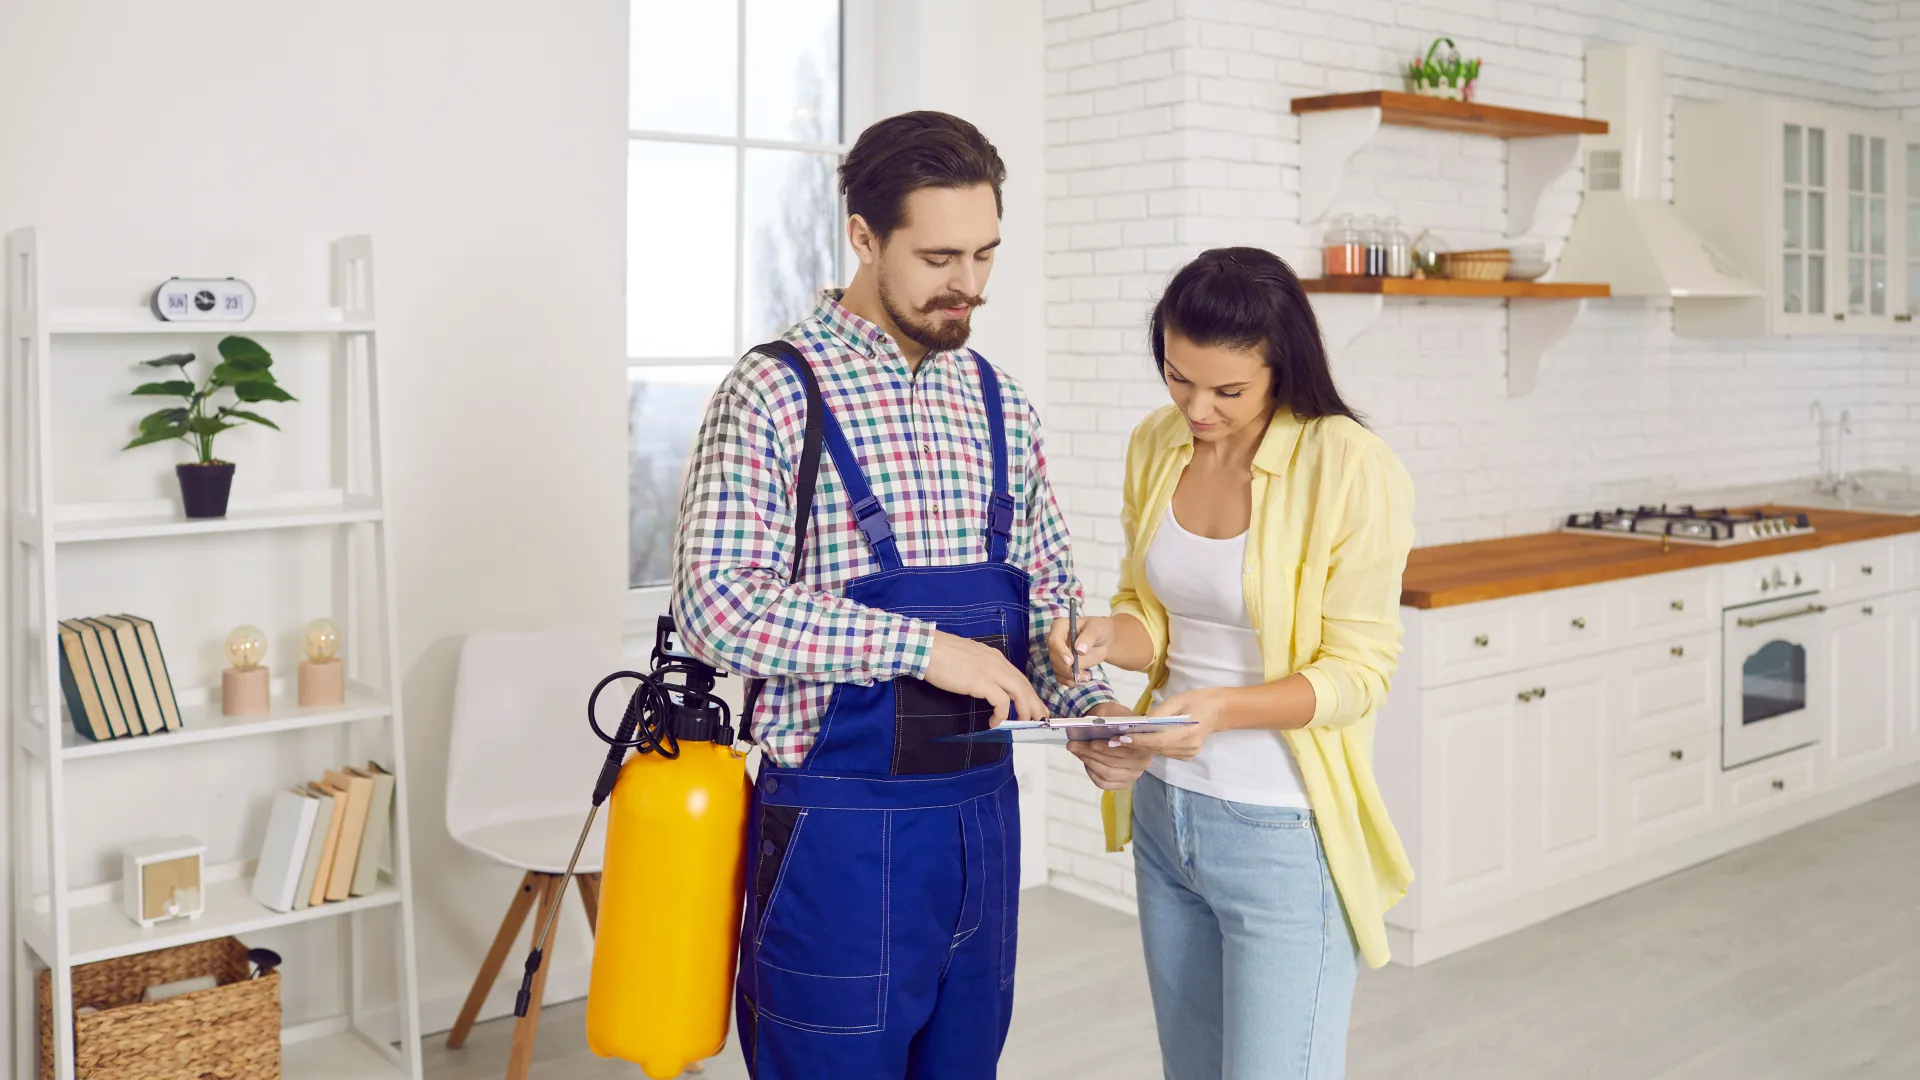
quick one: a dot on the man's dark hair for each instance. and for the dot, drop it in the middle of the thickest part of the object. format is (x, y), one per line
(902, 154)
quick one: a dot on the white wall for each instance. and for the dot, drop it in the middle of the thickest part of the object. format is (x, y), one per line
(481, 144)
(1169, 132)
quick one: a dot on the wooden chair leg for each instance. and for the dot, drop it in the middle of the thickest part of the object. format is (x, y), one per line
(496, 957)
(527, 1027)
(590, 899)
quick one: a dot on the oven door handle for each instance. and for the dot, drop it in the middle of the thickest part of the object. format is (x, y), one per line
(1810, 609)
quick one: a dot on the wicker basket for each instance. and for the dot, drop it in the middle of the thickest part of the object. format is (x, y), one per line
(1487, 264)
(231, 1032)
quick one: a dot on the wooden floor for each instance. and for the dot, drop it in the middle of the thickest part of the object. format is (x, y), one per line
(1796, 959)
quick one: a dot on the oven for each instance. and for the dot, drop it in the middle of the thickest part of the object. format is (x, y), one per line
(1774, 676)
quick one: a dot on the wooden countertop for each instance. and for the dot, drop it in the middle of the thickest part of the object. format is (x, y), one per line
(1450, 574)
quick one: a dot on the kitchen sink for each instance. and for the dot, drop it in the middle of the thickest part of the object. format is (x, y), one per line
(1877, 491)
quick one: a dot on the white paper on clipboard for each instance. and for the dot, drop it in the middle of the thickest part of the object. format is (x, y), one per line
(1060, 731)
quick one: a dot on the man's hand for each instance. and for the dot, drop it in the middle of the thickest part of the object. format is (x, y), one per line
(964, 666)
(1096, 636)
(1111, 765)
(1207, 708)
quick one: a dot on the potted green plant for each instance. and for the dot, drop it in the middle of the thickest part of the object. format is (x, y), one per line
(1443, 76)
(246, 371)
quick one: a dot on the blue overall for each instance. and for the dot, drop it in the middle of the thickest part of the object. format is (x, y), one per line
(883, 872)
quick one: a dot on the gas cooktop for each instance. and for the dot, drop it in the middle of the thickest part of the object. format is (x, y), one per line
(1688, 525)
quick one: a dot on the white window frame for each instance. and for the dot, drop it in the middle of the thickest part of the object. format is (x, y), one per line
(858, 34)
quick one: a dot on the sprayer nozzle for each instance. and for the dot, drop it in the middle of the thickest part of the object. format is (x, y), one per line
(524, 999)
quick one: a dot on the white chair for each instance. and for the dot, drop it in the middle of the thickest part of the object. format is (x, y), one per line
(521, 765)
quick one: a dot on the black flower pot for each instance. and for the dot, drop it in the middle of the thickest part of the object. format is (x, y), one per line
(204, 488)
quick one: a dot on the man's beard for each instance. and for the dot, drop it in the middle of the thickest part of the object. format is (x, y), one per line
(934, 333)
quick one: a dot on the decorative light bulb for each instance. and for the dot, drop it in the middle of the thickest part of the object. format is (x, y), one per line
(246, 647)
(321, 639)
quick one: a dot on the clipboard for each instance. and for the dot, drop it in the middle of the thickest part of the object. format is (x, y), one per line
(1060, 731)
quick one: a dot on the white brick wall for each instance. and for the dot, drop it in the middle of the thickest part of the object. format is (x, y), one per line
(1168, 132)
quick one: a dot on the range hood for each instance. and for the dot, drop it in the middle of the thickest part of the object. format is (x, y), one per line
(1625, 234)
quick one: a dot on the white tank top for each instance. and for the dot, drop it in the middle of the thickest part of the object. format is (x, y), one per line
(1211, 642)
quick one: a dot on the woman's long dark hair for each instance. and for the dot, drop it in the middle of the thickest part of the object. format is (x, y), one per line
(1243, 298)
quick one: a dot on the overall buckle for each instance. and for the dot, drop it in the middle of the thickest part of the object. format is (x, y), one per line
(872, 520)
(1000, 515)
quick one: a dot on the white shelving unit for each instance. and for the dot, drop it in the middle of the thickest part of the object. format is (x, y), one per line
(58, 928)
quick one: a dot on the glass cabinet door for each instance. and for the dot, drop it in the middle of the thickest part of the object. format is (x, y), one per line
(1912, 209)
(1803, 266)
(1866, 225)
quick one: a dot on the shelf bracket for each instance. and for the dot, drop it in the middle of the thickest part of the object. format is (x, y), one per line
(1327, 141)
(1343, 317)
(1532, 164)
(1533, 327)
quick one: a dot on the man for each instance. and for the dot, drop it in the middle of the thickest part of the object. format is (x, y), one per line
(883, 856)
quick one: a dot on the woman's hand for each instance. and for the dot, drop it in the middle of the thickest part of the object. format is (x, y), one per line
(1207, 708)
(1111, 764)
(1096, 636)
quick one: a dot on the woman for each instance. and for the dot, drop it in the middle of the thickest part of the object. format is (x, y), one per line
(1266, 535)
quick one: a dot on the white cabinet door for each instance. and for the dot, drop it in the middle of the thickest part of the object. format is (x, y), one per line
(1863, 179)
(1563, 759)
(1664, 794)
(1907, 703)
(1862, 687)
(1811, 254)
(1665, 692)
(1906, 233)
(1471, 783)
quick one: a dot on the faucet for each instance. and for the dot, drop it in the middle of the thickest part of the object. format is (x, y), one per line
(1833, 480)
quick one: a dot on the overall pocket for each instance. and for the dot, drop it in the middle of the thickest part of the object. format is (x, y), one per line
(822, 942)
(924, 713)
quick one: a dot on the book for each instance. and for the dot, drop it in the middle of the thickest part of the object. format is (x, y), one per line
(1060, 731)
(323, 872)
(133, 658)
(379, 830)
(97, 665)
(323, 819)
(89, 716)
(359, 795)
(157, 670)
(117, 674)
(289, 833)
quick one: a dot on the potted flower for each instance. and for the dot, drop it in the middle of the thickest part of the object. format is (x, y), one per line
(1444, 77)
(246, 372)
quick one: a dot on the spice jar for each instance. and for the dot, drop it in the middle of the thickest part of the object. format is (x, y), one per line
(1399, 250)
(1374, 243)
(1343, 254)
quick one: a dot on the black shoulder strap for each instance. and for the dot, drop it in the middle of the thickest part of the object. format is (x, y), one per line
(803, 483)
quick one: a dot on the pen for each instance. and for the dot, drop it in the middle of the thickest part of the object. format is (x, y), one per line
(1073, 635)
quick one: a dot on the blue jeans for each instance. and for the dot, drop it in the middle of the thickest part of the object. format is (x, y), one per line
(1249, 955)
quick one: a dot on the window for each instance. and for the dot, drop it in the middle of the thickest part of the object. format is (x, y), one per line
(736, 125)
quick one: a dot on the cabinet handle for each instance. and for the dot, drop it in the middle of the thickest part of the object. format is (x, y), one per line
(1678, 650)
(1867, 610)
(1779, 785)
(1678, 605)
(1867, 570)
(1677, 755)
(1526, 695)
(1579, 623)
(1539, 691)
(1903, 318)
(1839, 316)
(1480, 640)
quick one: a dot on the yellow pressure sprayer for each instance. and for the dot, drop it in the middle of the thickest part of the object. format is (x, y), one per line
(672, 881)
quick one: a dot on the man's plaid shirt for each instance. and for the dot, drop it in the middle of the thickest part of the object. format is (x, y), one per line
(923, 442)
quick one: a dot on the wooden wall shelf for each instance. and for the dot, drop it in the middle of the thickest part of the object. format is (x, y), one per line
(1442, 287)
(1439, 114)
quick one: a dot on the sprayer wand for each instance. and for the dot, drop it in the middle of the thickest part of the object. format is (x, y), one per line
(653, 723)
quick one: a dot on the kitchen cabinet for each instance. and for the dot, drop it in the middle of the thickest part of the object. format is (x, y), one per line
(1863, 688)
(1815, 202)
(1472, 780)
(1544, 750)
(1562, 754)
